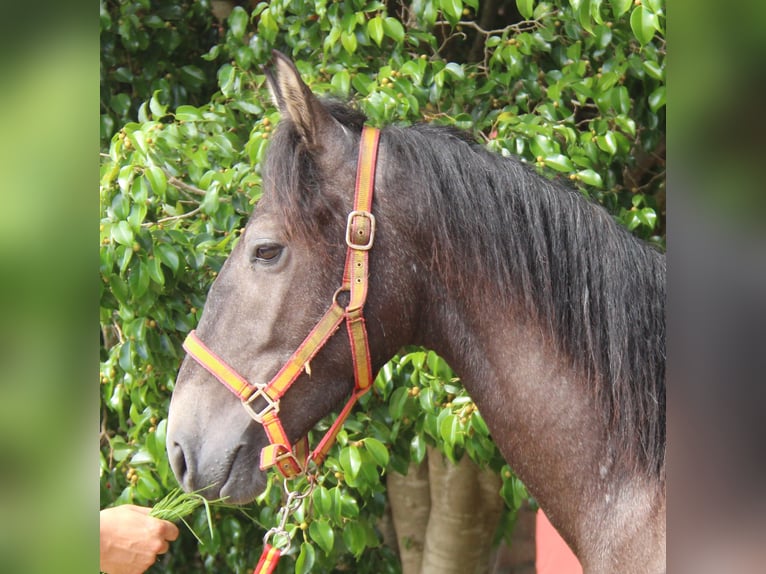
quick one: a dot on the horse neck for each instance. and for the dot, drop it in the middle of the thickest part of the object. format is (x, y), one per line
(544, 419)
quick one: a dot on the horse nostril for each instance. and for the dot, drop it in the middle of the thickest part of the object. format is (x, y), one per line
(178, 464)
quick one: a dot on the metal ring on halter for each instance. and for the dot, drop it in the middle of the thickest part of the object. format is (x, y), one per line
(338, 291)
(293, 495)
(280, 538)
(271, 405)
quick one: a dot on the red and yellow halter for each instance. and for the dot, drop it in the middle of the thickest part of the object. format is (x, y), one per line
(360, 236)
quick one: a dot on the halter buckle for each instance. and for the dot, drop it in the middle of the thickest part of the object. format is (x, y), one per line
(352, 236)
(271, 405)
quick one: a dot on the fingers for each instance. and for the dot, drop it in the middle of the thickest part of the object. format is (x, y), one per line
(165, 529)
(169, 530)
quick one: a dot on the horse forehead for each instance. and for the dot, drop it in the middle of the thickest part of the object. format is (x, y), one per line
(265, 221)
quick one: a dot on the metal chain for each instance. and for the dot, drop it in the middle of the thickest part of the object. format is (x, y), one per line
(279, 536)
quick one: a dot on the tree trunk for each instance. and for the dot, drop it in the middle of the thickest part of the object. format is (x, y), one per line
(410, 500)
(465, 511)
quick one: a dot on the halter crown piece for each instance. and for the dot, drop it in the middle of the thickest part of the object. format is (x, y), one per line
(261, 401)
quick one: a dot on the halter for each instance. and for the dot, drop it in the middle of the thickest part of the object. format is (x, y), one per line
(360, 235)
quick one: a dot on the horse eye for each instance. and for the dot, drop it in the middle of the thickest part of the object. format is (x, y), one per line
(268, 253)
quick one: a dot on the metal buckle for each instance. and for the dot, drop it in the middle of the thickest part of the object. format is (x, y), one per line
(271, 405)
(349, 221)
(289, 455)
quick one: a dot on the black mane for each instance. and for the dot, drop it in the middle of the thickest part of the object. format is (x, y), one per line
(600, 290)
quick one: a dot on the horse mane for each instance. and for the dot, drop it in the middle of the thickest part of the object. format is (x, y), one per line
(599, 290)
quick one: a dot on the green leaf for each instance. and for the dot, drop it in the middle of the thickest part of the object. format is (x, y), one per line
(148, 487)
(126, 357)
(211, 202)
(168, 255)
(119, 288)
(155, 271)
(559, 162)
(226, 75)
(120, 206)
(448, 429)
(643, 23)
(595, 11)
(393, 29)
(607, 143)
(621, 99)
(120, 103)
(212, 54)
(238, 20)
(653, 69)
(305, 561)
(322, 533)
(157, 180)
(478, 424)
(375, 29)
(354, 538)
(378, 451)
(584, 15)
(453, 10)
(158, 110)
(341, 81)
(322, 501)
(351, 461)
(347, 505)
(120, 449)
(193, 76)
(657, 99)
(122, 233)
(590, 177)
(426, 398)
(348, 39)
(519, 491)
(619, 7)
(627, 125)
(139, 280)
(417, 449)
(526, 8)
(140, 192)
(188, 114)
(397, 402)
(455, 69)
(648, 217)
(124, 255)
(542, 145)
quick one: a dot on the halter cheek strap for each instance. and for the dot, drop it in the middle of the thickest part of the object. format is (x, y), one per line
(360, 236)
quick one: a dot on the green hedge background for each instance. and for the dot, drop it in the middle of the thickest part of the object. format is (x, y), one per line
(576, 88)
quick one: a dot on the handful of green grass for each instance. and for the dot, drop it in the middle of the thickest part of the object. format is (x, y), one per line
(177, 505)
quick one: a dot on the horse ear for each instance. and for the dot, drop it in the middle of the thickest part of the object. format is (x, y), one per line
(296, 101)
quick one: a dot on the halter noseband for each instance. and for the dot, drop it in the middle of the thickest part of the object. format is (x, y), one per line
(360, 235)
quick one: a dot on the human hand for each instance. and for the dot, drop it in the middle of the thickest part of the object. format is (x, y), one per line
(130, 539)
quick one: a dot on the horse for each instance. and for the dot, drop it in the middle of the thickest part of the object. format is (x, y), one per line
(550, 311)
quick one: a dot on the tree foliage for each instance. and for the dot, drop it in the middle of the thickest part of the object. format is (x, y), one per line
(575, 87)
(153, 47)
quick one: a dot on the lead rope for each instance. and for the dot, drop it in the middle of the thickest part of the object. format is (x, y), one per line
(278, 539)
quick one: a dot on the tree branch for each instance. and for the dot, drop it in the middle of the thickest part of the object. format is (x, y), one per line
(186, 215)
(183, 186)
(518, 28)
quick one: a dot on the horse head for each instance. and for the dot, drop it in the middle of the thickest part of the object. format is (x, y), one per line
(277, 283)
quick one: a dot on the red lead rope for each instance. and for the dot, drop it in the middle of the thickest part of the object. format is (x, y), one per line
(268, 562)
(292, 461)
